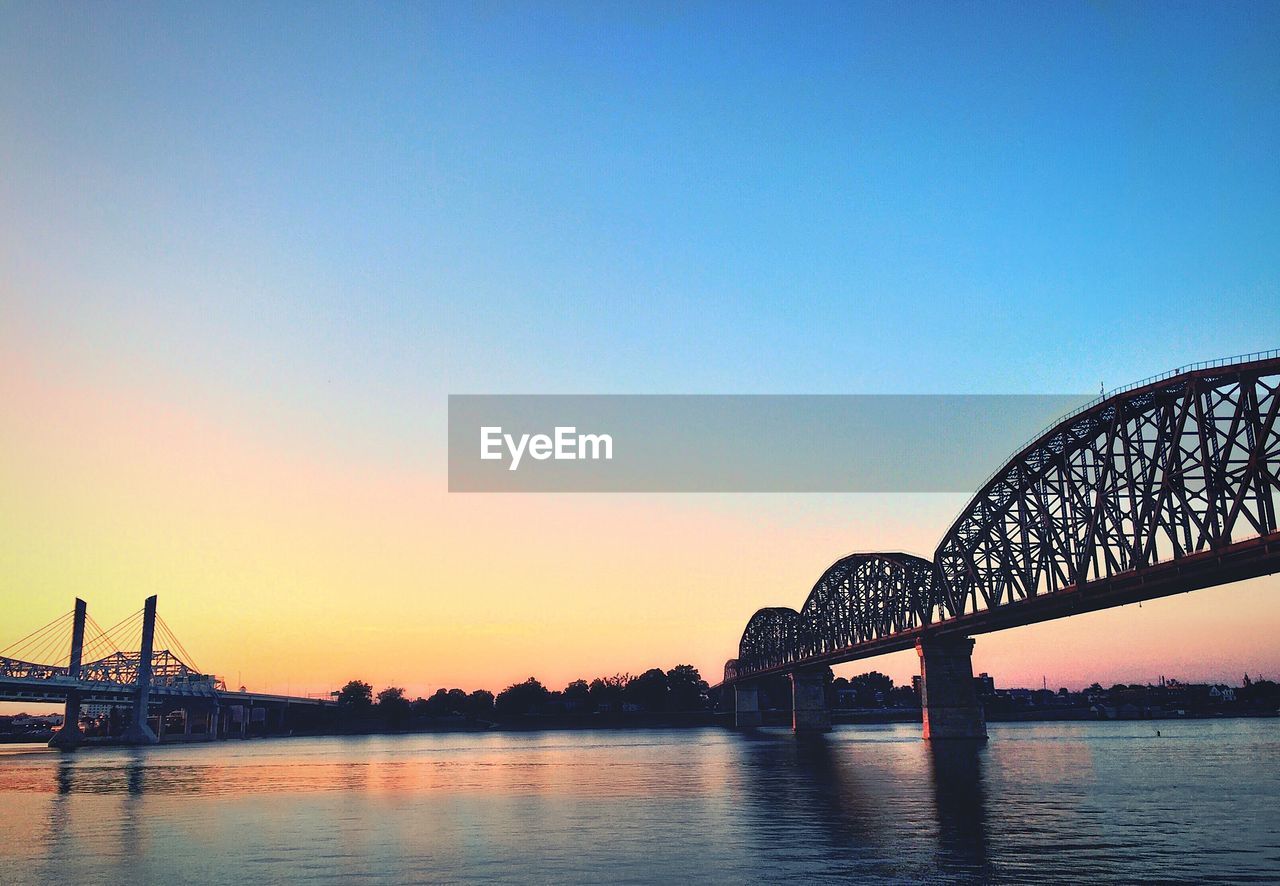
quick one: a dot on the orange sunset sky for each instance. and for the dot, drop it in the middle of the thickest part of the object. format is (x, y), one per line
(289, 565)
(245, 258)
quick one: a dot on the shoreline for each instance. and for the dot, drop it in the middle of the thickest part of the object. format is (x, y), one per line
(772, 719)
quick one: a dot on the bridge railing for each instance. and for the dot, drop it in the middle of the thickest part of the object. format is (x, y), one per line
(1150, 380)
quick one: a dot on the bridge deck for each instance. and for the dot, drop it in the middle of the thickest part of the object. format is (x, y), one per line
(1247, 559)
(91, 692)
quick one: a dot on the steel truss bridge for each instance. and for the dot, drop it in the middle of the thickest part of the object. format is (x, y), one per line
(72, 659)
(1166, 486)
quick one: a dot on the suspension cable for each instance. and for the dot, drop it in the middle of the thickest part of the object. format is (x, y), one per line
(19, 644)
(39, 647)
(187, 658)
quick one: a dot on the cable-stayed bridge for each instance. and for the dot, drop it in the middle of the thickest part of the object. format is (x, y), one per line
(140, 666)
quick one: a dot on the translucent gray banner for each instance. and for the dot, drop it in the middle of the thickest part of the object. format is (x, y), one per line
(732, 443)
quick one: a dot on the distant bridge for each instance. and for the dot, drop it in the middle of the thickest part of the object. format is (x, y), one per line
(121, 667)
(1166, 486)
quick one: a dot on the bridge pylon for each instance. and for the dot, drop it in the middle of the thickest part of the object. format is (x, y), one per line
(69, 735)
(139, 731)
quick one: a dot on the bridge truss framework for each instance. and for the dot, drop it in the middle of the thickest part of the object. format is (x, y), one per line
(1168, 486)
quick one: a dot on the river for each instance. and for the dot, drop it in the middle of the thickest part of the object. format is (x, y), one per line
(1039, 802)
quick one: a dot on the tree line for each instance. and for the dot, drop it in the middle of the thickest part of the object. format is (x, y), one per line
(678, 690)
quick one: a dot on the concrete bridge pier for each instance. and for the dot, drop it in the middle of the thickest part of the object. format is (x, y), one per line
(69, 734)
(139, 731)
(746, 705)
(947, 694)
(809, 711)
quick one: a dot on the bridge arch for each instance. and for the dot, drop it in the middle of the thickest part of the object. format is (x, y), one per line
(1178, 469)
(867, 596)
(771, 638)
(731, 671)
(1170, 485)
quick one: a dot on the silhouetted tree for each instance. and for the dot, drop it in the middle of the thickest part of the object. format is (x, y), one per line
(577, 695)
(649, 690)
(438, 703)
(872, 688)
(1261, 694)
(393, 707)
(903, 697)
(480, 704)
(356, 696)
(391, 695)
(529, 697)
(606, 692)
(688, 691)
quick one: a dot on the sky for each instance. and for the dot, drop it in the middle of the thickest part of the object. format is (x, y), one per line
(249, 250)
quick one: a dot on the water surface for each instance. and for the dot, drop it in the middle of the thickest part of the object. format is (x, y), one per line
(1039, 802)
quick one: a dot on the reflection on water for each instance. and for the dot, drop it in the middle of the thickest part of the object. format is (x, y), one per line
(960, 800)
(1098, 801)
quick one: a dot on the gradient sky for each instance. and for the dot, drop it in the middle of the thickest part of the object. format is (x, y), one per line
(248, 250)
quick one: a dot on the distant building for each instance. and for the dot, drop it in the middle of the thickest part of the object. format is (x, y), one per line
(26, 721)
(1222, 693)
(847, 697)
(1019, 696)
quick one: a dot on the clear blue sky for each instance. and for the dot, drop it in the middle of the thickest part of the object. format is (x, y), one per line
(421, 198)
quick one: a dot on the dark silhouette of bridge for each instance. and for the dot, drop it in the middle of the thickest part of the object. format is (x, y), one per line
(121, 667)
(1163, 487)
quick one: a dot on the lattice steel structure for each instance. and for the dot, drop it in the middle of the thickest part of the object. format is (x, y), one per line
(1162, 472)
(1170, 485)
(865, 597)
(72, 661)
(119, 668)
(29, 670)
(731, 670)
(166, 670)
(770, 639)
(859, 598)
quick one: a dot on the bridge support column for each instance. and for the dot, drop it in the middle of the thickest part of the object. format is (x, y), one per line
(746, 705)
(947, 695)
(69, 735)
(809, 712)
(139, 732)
